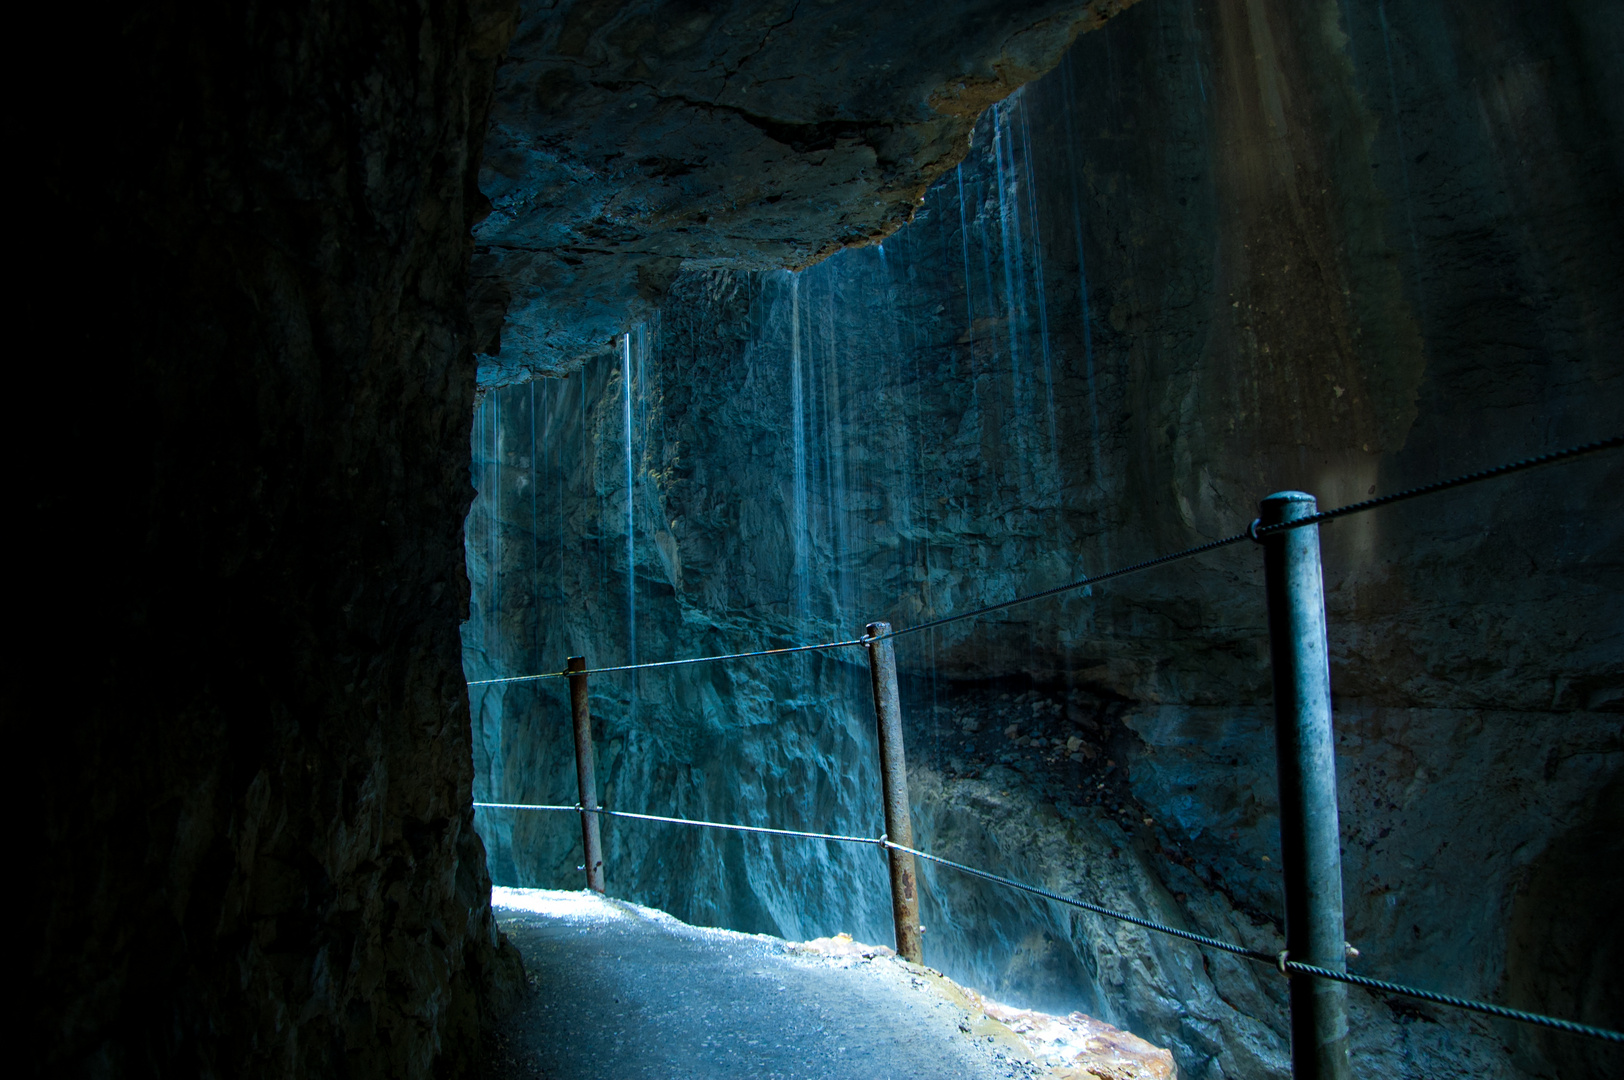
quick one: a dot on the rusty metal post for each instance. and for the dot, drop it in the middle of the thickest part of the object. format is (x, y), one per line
(586, 775)
(1305, 754)
(882, 665)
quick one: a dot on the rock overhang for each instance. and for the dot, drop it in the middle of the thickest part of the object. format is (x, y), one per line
(630, 140)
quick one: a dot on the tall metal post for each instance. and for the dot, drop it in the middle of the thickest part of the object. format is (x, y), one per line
(882, 665)
(586, 775)
(1305, 750)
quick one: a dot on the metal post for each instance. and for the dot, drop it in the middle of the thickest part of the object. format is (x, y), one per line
(882, 665)
(586, 775)
(1305, 750)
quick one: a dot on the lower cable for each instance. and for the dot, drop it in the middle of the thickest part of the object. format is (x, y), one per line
(1503, 1011)
(1257, 955)
(1570, 1026)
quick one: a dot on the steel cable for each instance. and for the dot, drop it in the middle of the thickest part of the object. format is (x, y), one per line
(1257, 532)
(519, 806)
(1254, 532)
(1273, 960)
(673, 663)
(1121, 916)
(1445, 485)
(1078, 584)
(739, 828)
(1502, 1011)
(687, 821)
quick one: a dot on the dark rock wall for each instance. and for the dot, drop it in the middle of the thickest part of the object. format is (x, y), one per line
(254, 854)
(1225, 249)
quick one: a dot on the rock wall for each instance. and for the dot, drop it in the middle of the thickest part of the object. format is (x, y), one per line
(1225, 249)
(249, 848)
(630, 139)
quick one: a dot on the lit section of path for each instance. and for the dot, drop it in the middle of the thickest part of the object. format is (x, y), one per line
(621, 992)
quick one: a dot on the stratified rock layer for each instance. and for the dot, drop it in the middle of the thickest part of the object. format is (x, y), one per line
(1222, 251)
(251, 853)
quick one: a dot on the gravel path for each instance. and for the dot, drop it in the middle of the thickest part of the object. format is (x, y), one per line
(620, 992)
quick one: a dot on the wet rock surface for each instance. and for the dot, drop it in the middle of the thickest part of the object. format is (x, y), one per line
(1219, 252)
(630, 138)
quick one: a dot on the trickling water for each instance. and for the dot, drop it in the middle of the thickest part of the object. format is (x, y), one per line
(1009, 230)
(964, 242)
(923, 471)
(1087, 320)
(492, 478)
(836, 501)
(1029, 181)
(535, 526)
(802, 568)
(631, 502)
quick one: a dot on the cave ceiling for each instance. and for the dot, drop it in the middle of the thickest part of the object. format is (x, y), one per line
(628, 140)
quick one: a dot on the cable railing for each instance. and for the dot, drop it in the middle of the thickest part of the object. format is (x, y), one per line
(1256, 531)
(672, 663)
(1277, 960)
(1309, 830)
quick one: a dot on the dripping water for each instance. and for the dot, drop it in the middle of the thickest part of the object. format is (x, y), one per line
(802, 565)
(839, 520)
(534, 661)
(1068, 93)
(1009, 234)
(631, 502)
(1029, 180)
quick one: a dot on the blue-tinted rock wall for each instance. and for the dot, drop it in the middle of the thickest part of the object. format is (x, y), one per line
(1222, 250)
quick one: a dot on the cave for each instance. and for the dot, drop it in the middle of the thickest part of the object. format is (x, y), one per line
(394, 351)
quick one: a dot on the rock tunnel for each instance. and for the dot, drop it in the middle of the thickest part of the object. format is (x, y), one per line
(416, 345)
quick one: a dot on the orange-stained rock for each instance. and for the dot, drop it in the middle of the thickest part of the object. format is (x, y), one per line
(1079, 1047)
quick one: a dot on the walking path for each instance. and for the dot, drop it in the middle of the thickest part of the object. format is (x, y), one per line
(621, 992)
